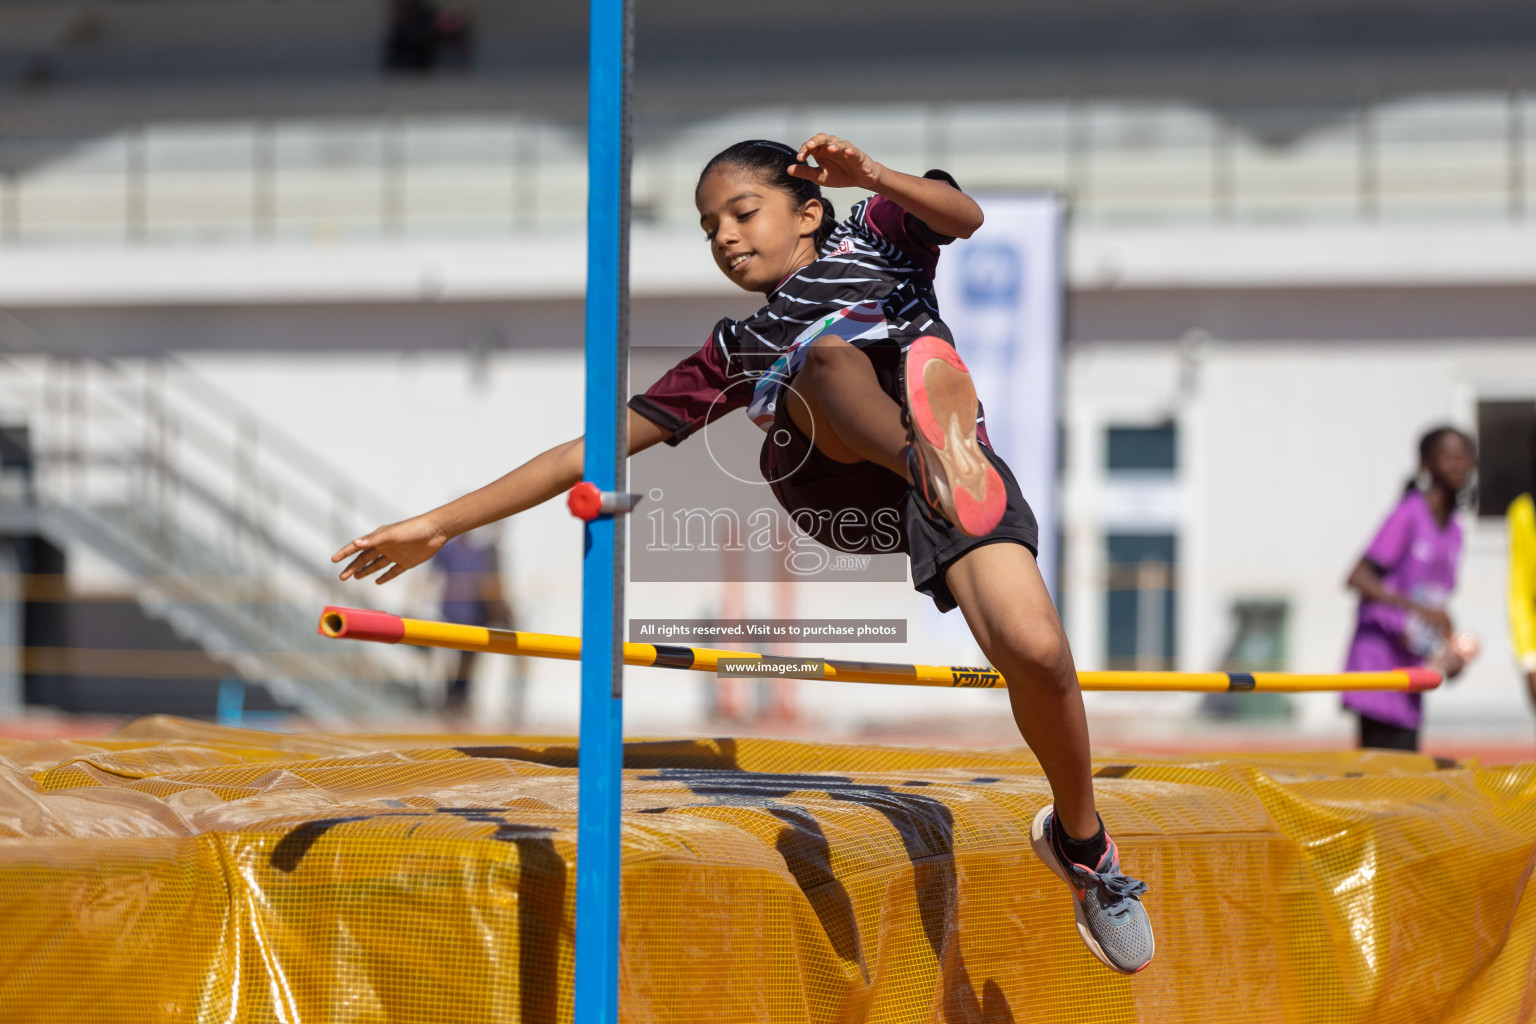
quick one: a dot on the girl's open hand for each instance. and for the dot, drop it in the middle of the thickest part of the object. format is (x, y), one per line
(839, 163)
(397, 547)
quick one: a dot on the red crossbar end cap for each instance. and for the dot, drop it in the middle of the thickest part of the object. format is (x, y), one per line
(585, 501)
(361, 624)
(1421, 678)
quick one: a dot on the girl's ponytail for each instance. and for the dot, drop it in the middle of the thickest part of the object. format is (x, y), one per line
(770, 162)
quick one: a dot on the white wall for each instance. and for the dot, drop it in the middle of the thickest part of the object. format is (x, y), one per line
(421, 428)
(1291, 455)
(1299, 393)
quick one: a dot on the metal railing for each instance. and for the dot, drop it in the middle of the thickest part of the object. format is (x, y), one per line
(1462, 156)
(222, 526)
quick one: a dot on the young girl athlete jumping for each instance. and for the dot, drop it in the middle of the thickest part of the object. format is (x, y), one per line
(867, 406)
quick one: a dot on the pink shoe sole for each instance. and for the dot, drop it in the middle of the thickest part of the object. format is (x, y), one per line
(942, 403)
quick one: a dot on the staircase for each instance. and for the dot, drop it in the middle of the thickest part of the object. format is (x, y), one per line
(223, 526)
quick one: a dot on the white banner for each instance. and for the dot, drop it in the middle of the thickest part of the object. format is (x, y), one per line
(1001, 293)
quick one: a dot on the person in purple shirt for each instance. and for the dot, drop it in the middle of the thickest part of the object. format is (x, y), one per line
(1405, 579)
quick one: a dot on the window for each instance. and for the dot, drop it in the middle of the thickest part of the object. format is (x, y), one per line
(1142, 603)
(1140, 511)
(1143, 448)
(1506, 454)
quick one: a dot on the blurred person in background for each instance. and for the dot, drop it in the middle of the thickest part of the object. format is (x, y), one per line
(410, 39)
(1522, 576)
(454, 27)
(472, 595)
(1405, 579)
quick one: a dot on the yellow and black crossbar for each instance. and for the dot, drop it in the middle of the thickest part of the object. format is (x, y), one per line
(361, 624)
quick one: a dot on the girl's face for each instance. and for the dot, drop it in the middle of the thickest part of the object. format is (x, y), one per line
(1451, 463)
(757, 234)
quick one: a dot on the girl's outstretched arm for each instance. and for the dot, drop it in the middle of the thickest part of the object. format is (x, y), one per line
(406, 544)
(841, 164)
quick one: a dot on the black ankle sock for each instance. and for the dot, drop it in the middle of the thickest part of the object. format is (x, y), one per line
(1087, 852)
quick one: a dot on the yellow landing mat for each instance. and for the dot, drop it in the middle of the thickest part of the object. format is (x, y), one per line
(185, 872)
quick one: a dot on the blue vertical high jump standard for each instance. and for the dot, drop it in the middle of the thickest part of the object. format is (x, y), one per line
(602, 573)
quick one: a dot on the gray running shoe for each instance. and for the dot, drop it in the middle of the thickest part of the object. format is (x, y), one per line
(1110, 917)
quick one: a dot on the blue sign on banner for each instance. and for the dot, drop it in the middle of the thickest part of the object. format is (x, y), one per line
(1001, 295)
(991, 274)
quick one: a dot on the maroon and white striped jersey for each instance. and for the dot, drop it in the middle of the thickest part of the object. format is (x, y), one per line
(872, 285)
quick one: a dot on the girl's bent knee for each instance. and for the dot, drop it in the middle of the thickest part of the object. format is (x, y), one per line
(827, 354)
(1038, 657)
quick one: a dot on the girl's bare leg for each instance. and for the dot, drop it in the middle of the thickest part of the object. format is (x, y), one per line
(1004, 600)
(836, 400)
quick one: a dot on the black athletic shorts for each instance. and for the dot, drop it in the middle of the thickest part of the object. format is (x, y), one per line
(862, 508)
